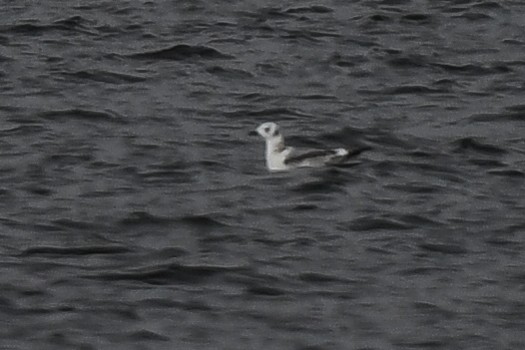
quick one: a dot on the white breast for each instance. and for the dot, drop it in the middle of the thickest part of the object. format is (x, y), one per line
(275, 159)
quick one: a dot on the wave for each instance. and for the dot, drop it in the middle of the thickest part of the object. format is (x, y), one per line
(181, 52)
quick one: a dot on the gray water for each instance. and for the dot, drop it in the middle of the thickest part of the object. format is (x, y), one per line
(137, 213)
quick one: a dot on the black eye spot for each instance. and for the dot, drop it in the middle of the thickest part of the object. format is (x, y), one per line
(275, 132)
(267, 129)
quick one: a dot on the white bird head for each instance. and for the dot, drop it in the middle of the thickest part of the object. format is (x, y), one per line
(268, 130)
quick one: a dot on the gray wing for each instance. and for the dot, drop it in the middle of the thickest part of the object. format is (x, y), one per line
(312, 155)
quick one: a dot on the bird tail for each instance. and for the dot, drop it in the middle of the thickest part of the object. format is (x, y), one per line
(358, 151)
(341, 152)
(344, 154)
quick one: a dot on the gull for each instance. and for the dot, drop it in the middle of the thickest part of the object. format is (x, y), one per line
(279, 157)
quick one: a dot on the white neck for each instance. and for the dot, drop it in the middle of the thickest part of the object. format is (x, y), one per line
(275, 144)
(275, 153)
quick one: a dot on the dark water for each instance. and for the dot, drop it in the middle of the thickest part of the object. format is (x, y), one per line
(136, 213)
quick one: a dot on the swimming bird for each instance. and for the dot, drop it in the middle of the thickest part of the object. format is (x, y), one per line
(279, 157)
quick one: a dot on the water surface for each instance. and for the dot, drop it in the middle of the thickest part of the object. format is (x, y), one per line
(137, 213)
